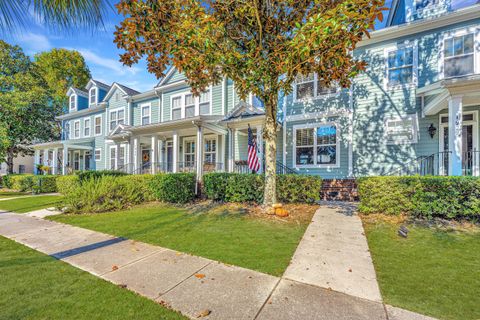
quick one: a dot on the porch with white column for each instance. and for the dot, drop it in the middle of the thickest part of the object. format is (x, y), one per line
(200, 149)
(455, 132)
(175, 154)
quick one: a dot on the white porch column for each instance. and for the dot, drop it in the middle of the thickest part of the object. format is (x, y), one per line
(127, 156)
(65, 160)
(117, 156)
(175, 152)
(135, 154)
(55, 161)
(231, 148)
(36, 161)
(161, 146)
(45, 159)
(154, 156)
(455, 117)
(199, 155)
(221, 151)
(260, 147)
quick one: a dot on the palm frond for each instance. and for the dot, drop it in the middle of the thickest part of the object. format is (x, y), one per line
(12, 14)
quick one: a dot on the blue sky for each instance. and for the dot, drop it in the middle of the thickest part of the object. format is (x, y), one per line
(98, 49)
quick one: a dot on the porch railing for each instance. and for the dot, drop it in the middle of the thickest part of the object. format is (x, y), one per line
(242, 167)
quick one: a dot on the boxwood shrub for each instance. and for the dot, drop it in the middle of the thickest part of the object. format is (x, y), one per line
(95, 174)
(30, 182)
(234, 187)
(173, 187)
(419, 196)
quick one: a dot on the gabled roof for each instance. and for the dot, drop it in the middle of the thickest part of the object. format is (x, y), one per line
(119, 129)
(243, 110)
(77, 91)
(126, 90)
(97, 83)
(167, 76)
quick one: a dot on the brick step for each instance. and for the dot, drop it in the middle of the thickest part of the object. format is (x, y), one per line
(339, 190)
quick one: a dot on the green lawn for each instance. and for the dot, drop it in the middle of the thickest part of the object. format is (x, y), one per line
(8, 194)
(23, 205)
(225, 235)
(36, 286)
(434, 272)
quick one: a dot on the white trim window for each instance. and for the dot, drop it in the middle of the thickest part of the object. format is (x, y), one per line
(93, 96)
(204, 103)
(176, 107)
(316, 146)
(210, 154)
(311, 86)
(189, 154)
(73, 102)
(189, 106)
(146, 114)
(76, 129)
(86, 127)
(401, 66)
(113, 157)
(98, 125)
(459, 55)
(116, 117)
(401, 130)
(121, 157)
(98, 154)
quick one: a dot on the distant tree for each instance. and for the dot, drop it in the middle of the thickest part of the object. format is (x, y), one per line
(25, 113)
(262, 45)
(62, 69)
(55, 13)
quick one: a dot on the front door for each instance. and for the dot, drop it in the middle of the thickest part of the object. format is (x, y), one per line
(169, 156)
(470, 153)
(88, 159)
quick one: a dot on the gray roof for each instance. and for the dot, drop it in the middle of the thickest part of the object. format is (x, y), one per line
(128, 90)
(244, 110)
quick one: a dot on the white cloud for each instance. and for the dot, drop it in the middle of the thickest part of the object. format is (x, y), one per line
(111, 64)
(34, 43)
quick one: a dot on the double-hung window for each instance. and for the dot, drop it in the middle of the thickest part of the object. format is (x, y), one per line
(73, 102)
(401, 130)
(189, 154)
(76, 129)
(93, 96)
(145, 115)
(459, 55)
(113, 158)
(311, 86)
(177, 108)
(121, 157)
(98, 125)
(204, 102)
(98, 154)
(210, 151)
(316, 146)
(189, 106)
(116, 117)
(400, 66)
(86, 128)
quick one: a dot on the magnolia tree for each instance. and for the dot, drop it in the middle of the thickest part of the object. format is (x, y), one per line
(262, 45)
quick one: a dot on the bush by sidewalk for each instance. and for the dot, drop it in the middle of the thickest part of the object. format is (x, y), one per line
(419, 196)
(30, 183)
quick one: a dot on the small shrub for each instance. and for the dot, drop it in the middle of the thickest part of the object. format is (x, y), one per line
(215, 185)
(173, 187)
(296, 188)
(67, 184)
(30, 182)
(86, 175)
(427, 197)
(44, 184)
(244, 188)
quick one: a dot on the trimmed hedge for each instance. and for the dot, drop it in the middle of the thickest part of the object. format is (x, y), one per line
(30, 182)
(237, 187)
(419, 196)
(93, 174)
(173, 187)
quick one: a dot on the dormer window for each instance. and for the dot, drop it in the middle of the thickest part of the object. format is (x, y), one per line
(73, 102)
(93, 96)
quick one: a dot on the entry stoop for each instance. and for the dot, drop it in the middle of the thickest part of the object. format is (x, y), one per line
(339, 190)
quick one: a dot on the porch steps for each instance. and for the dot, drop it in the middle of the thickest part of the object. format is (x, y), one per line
(339, 190)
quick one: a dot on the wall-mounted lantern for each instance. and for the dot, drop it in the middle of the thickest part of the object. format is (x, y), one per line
(432, 130)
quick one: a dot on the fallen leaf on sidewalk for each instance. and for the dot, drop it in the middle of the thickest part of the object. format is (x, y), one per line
(122, 286)
(200, 275)
(114, 267)
(350, 270)
(204, 313)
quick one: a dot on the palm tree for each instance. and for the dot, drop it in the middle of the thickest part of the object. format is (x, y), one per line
(55, 13)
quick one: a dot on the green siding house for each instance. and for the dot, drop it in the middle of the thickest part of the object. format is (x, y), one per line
(413, 111)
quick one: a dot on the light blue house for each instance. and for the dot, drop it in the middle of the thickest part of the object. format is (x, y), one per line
(414, 110)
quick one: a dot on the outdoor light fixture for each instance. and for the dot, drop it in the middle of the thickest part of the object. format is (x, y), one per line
(432, 130)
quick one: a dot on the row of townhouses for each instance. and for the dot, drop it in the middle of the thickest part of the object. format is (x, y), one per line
(414, 110)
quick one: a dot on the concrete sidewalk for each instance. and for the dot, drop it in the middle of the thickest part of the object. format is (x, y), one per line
(195, 286)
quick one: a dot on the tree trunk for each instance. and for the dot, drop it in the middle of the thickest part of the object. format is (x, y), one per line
(270, 137)
(10, 161)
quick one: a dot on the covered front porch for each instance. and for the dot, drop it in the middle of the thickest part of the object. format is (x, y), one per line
(452, 108)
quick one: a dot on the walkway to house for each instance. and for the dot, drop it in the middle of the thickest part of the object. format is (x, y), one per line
(200, 287)
(28, 196)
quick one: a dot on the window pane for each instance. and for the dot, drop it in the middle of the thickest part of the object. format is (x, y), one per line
(307, 78)
(406, 75)
(327, 155)
(205, 96)
(304, 155)
(121, 114)
(458, 45)
(176, 114)
(205, 108)
(323, 89)
(190, 111)
(113, 116)
(394, 77)
(448, 48)
(145, 111)
(459, 66)
(468, 43)
(176, 102)
(305, 90)
(304, 137)
(189, 99)
(326, 135)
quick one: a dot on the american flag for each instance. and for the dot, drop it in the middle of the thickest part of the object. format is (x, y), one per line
(253, 162)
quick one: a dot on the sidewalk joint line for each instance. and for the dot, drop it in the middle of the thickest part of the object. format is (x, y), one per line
(268, 298)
